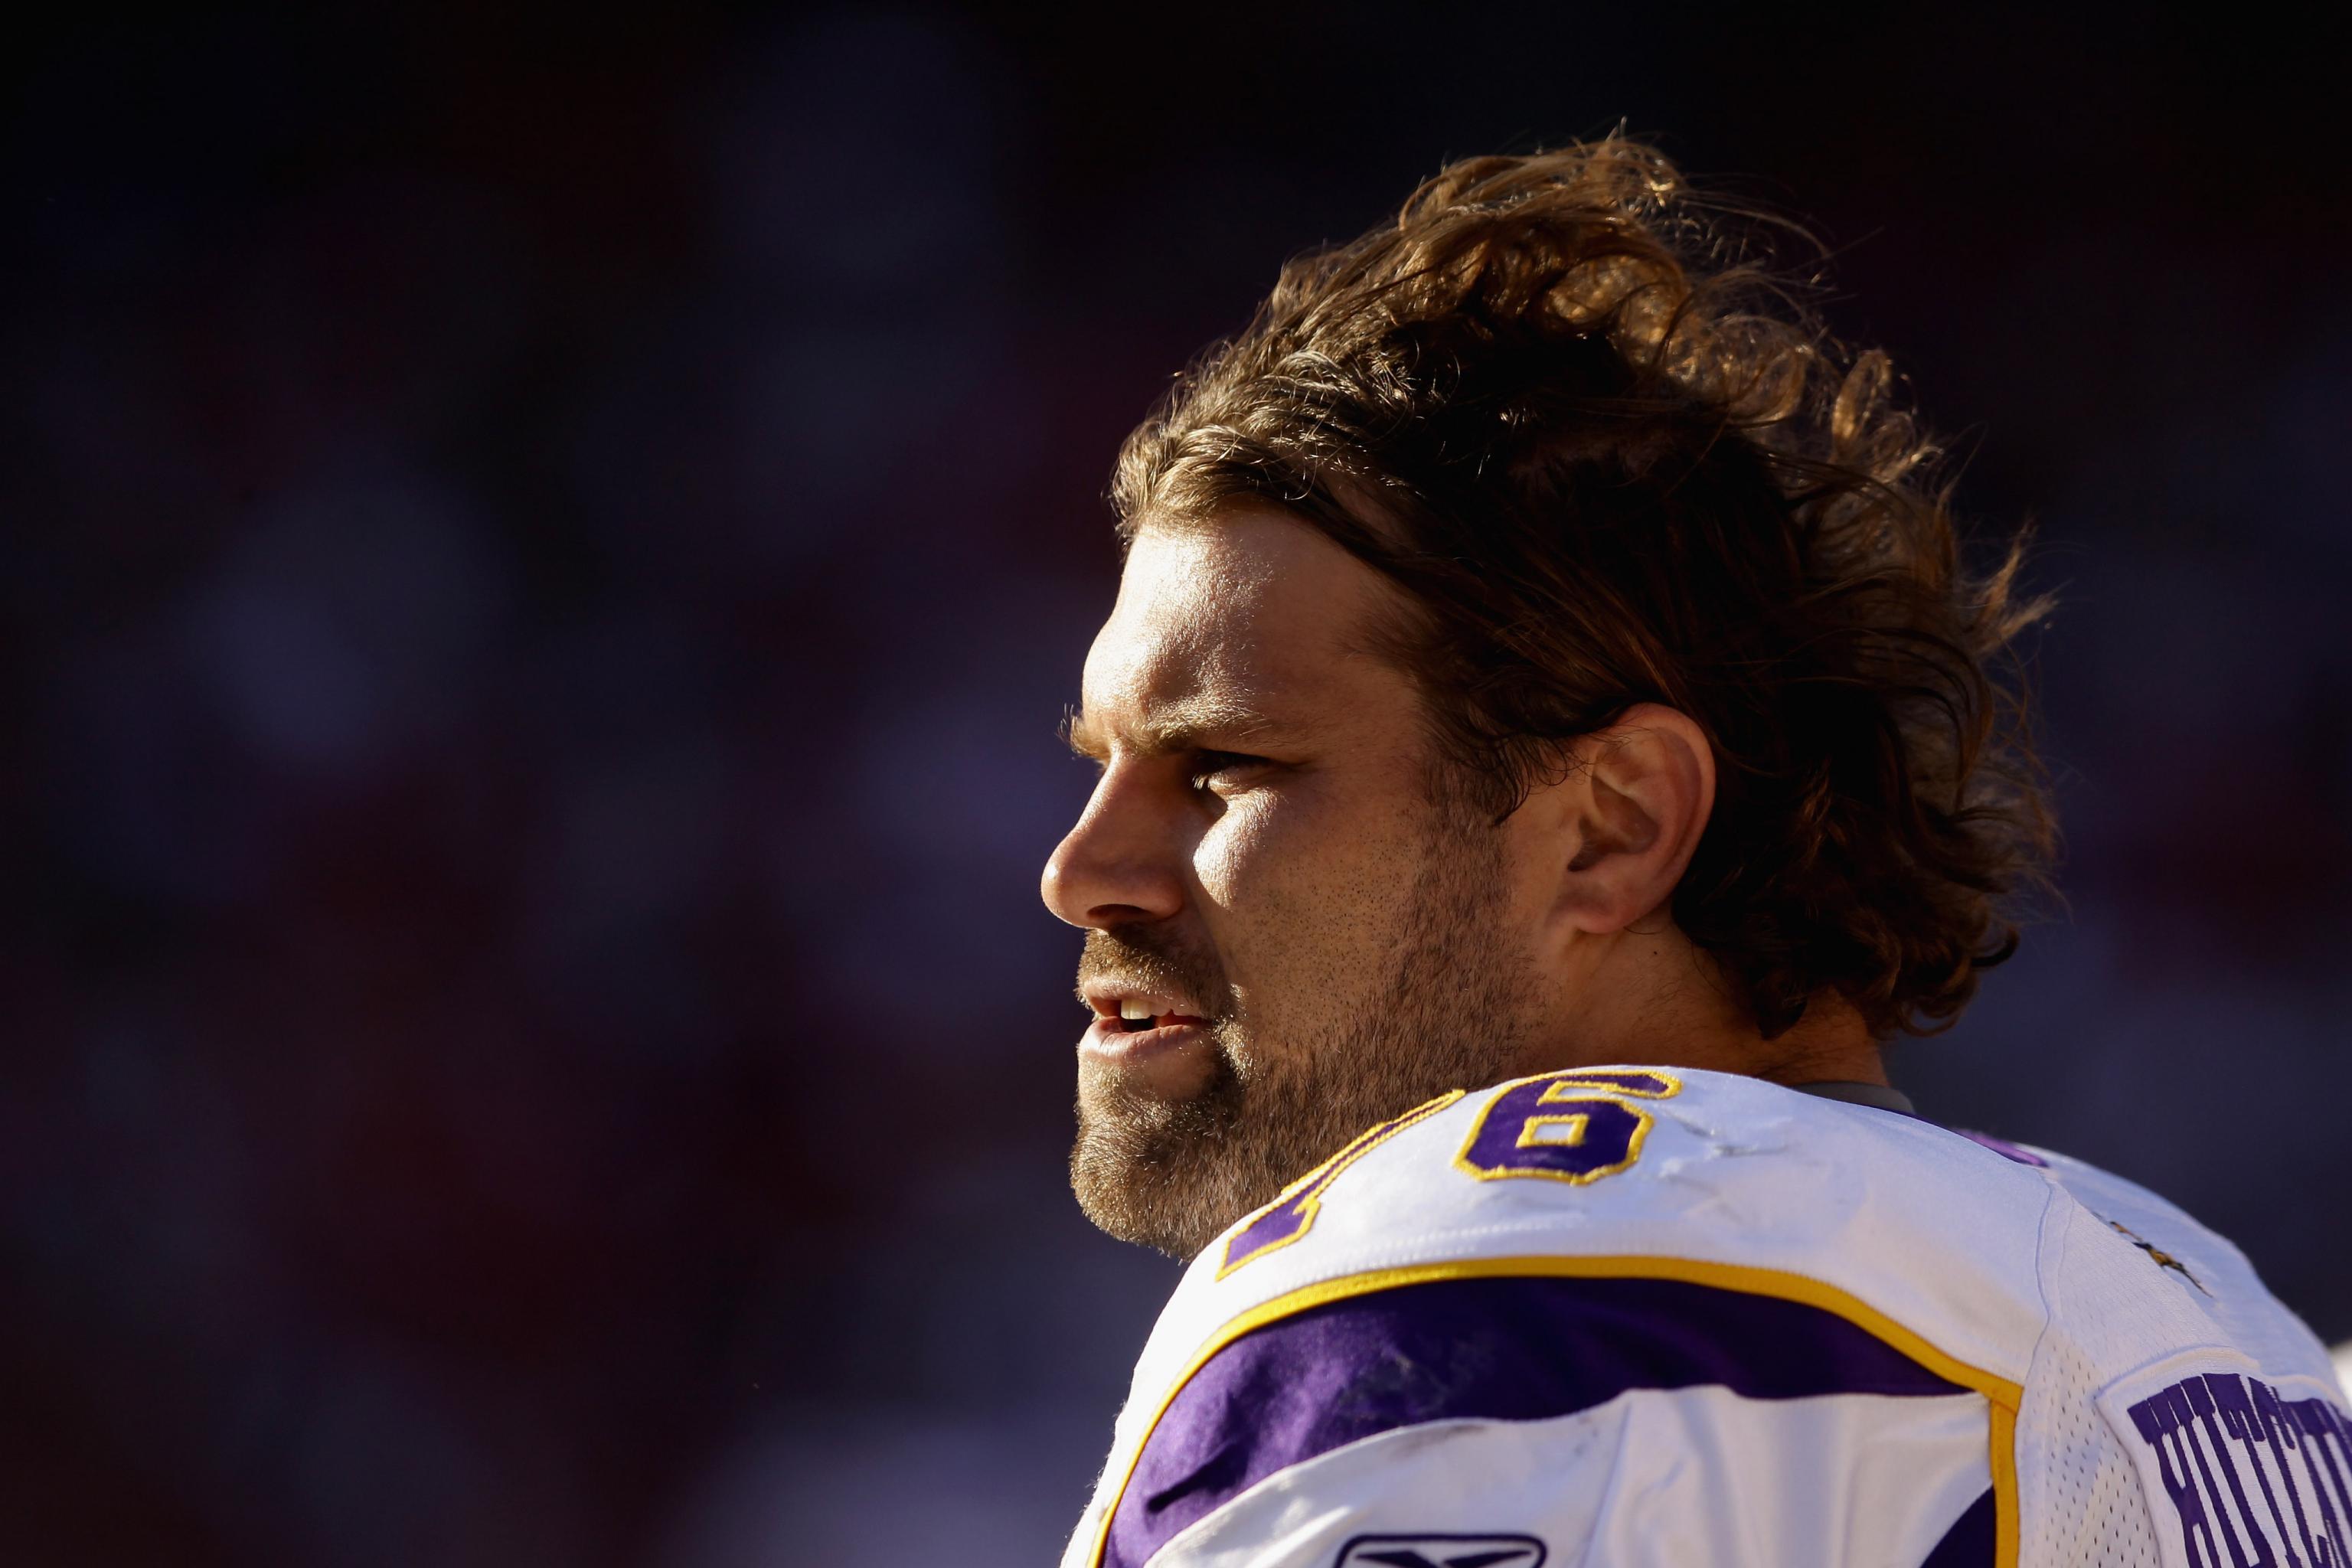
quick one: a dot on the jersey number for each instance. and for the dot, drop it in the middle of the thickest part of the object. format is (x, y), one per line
(1572, 1126)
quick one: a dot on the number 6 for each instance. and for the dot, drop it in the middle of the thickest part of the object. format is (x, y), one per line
(1571, 1127)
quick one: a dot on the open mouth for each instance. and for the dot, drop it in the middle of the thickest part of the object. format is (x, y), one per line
(1143, 1039)
(1134, 1017)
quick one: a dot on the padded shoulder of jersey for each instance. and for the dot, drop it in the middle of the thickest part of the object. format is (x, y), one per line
(1519, 1352)
(1927, 1242)
(2121, 1201)
(1652, 1172)
(2151, 1235)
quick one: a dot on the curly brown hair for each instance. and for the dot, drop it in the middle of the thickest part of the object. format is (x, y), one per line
(1567, 405)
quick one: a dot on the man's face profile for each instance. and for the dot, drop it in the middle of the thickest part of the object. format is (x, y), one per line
(1288, 937)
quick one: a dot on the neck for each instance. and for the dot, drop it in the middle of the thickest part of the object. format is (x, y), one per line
(1658, 1000)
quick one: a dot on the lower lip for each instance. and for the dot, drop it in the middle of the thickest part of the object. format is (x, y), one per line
(1106, 1041)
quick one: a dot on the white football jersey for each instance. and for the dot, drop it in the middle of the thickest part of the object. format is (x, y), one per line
(1640, 1315)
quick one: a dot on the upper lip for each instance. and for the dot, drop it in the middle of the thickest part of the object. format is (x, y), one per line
(1105, 995)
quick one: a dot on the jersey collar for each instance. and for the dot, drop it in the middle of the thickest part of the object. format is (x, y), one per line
(1877, 1095)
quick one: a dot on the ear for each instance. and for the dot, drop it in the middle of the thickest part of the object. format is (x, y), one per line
(1621, 826)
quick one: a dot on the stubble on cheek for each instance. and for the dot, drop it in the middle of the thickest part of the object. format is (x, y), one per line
(1401, 998)
(1167, 1159)
(1167, 1162)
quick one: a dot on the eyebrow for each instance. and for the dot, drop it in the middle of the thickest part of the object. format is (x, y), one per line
(1179, 727)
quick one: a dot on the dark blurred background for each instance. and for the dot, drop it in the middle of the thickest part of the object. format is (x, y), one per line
(540, 556)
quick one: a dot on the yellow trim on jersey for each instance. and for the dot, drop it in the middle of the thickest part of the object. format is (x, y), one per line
(2004, 1484)
(1578, 1083)
(2001, 1395)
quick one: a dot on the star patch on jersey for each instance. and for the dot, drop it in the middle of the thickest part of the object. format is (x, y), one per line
(1442, 1551)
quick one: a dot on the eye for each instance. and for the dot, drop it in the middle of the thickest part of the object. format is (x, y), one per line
(1227, 769)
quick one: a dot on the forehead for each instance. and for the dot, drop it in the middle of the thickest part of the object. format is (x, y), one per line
(1251, 615)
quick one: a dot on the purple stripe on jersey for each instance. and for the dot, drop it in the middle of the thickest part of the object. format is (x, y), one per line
(1970, 1542)
(1514, 1349)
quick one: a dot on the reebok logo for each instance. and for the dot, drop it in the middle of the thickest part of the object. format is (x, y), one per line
(1442, 1551)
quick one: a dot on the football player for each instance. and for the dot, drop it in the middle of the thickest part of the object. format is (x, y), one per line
(1549, 743)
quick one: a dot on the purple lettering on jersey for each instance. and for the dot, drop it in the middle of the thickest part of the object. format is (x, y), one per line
(2267, 1422)
(2328, 1437)
(2163, 1420)
(2003, 1148)
(2240, 1408)
(2216, 1433)
(1568, 1126)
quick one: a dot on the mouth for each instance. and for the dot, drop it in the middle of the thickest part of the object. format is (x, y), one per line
(1134, 1015)
(1121, 1005)
(1132, 1026)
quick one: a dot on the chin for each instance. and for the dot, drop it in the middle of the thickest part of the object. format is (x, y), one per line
(1136, 1200)
(1167, 1174)
(1175, 1075)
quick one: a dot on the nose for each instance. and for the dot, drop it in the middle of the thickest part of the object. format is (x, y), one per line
(1120, 864)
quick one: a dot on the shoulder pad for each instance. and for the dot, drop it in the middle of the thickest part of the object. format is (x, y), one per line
(1482, 1350)
(1643, 1172)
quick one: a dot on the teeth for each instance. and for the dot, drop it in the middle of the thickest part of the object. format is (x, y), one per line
(1131, 1009)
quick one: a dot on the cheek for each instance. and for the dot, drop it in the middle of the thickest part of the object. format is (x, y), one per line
(1273, 851)
(1244, 858)
(1292, 887)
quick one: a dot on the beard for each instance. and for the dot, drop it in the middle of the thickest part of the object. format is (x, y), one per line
(1172, 1174)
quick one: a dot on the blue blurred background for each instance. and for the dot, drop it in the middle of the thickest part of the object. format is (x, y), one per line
(540, 554)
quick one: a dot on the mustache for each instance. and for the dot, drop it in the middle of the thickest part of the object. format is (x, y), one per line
(1145, 959)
